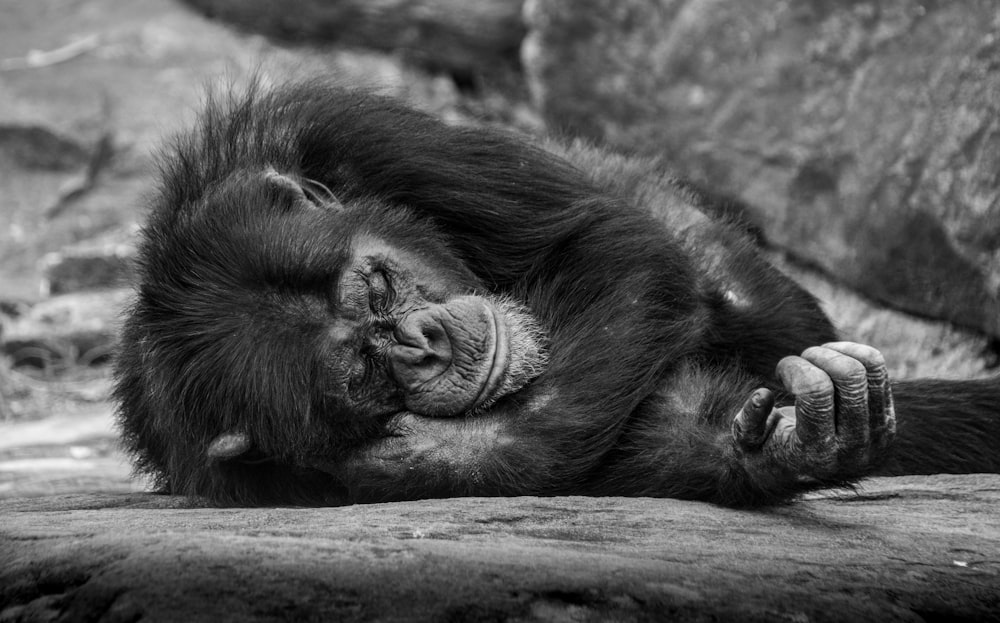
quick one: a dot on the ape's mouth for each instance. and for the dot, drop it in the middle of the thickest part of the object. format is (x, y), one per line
(520, 354)
(450, 358)
(461, 356)
(501, 357)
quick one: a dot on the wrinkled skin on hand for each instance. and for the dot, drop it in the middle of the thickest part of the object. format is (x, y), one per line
(841, 423)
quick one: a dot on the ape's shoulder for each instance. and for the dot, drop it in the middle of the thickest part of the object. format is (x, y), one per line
(651, 186)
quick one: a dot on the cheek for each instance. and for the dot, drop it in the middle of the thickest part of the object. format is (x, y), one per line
(358, 391)
(382, 398)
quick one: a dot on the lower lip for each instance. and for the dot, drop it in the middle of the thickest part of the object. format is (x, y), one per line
(500, 354)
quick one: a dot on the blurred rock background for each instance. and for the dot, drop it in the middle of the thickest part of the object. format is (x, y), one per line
(865, 136)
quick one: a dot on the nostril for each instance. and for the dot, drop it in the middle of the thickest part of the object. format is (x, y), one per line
(435, 336)
(423, 349)
(422, 330)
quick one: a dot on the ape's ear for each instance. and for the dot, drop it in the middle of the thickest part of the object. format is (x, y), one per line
(229, 445)
(309, 191)
(288, 184)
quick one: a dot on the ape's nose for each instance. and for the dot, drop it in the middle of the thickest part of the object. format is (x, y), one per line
(444, 356)
(423, 349)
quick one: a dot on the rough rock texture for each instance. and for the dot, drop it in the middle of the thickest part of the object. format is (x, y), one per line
(90, 89)
(75, 451)
(37, 147)
(134, 71)
(906, 549)
(455, 35)
(868, 133)
(913, 347)
(73, 328)
(102, 262)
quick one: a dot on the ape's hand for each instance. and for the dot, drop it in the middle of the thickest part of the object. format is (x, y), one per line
(841, 423)
(425, 457)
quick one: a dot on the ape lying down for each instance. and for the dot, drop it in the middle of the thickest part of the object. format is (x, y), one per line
(341, 299)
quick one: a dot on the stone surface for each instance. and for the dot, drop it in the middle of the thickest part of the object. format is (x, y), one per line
(139, 78)
(99, 263)
(905, 549)
(865, 132)
(75, 451)
(455, 35)
(913, 347)
(77, 328)
(37, 147)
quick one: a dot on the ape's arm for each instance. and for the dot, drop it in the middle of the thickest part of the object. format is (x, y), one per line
(842, 422)
(838, 430)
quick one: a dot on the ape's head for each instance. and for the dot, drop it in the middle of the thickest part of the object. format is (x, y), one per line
(274, 324)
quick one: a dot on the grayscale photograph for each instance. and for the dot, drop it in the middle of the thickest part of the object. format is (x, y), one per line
(499, 310)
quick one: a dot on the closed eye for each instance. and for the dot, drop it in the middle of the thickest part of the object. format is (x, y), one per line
(381, 295)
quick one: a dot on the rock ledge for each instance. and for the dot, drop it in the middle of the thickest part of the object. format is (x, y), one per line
(906, 549)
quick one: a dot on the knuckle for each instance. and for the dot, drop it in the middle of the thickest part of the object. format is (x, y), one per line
(851, 370)
(875, 358)
(841, 367)
(814, 352)
(787, 362)
(814, 384)
(817, 353)
(802, 377)
(869, 356)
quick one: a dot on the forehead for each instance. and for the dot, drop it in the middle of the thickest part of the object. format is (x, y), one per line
(297, 248)
(258, 235)
(251, 241)
(369, 245)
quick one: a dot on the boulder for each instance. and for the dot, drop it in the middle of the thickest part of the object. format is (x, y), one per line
(902, 549)
(454, 35)
(78, 328)
(865, 133)
(90, 90)
(104, 262)
(37, 147)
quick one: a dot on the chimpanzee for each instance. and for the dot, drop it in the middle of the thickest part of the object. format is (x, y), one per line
(341, 299)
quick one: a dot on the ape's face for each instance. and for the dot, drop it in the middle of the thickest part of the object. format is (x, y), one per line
(406, 335)
(355, 315)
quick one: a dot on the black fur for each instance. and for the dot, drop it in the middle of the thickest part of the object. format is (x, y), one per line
(661, 314)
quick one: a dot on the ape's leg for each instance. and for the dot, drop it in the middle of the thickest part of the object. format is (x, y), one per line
(946, 427)
(686, 443)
